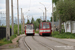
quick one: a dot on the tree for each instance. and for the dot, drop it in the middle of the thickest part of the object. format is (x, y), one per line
(36, 24)
(55, 1)
(32, 20)
(66, 10)
(55, 18)
(28, 21)
(48, 21)
(38, 20)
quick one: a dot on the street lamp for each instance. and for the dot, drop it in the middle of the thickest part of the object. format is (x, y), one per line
(43, 13)
(52, 18)
(45, 10)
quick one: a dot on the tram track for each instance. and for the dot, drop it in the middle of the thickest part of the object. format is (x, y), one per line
(25, 43)
(37, 40)
(55, 41)
(58, 41)
(43, 44)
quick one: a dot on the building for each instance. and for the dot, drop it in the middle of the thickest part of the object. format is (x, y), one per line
(56, 25)
(67, 26)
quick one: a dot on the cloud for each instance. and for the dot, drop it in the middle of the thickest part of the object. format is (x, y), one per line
(32, 5)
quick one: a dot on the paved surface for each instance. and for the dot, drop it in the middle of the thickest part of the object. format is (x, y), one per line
(34, 45)
(21, 44)
(44, 43)
(56, 44)
(13, 49)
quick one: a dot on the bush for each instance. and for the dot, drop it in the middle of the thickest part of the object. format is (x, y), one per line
(63, 35)
(63, 31)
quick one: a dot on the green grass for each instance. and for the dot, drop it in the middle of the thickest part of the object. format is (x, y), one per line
(67, 35)
(37, 31)
(4, 41)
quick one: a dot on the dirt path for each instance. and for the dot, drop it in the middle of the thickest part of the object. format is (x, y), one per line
(14, 43)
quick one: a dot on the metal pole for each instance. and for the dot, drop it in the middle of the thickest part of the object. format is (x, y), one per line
(7, 21)
(52, 19)
(40, 19)
(12, 17)
(45, 14)
(21, 21)
(18, 15)
(27, 18)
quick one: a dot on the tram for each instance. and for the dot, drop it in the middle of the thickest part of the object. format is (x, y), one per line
(29, 29)
(45, 28)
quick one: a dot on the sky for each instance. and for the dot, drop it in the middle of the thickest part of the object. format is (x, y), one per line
(36, 7)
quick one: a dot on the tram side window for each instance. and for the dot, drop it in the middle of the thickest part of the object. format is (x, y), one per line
(40, 26)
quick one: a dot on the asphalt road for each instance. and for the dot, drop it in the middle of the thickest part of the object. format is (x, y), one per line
(43, 43)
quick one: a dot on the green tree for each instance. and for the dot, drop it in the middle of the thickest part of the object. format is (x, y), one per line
(28, 21)
(38, 20)
(36, 24)
(66, 10)
(55, 19)
(48, 21)
(32, 20)
(55, 1)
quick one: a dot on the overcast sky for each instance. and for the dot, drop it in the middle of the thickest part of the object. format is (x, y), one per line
(32, 5)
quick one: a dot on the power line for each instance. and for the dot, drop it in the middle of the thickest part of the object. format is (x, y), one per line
(30, 5)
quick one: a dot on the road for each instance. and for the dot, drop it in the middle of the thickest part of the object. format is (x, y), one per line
(43, 43)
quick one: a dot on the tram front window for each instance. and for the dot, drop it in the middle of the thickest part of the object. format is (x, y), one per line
(29, 27)
(46, 25)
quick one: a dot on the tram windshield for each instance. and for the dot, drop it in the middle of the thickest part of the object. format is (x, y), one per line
(29, 27)
(46, 25)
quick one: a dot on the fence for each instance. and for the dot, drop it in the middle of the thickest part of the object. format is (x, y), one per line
(3, 32)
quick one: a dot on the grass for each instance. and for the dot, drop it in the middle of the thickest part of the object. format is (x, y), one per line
(67, 35)
(37, 31)
(4, 41)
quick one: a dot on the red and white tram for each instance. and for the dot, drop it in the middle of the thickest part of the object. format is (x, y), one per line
(45, 28)
(29, 29)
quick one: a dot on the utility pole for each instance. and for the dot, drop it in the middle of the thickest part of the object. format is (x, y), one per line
(40, 19)
(7, 21)
(59, 23)
(52, 19)
(27, 19)
(21, 21)
(45, 14)
(18, 15)
(12, 17)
